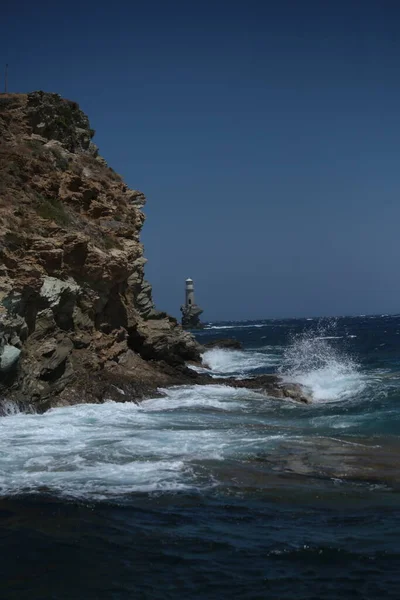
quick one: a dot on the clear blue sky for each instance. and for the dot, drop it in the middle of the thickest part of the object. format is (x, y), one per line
(264, 134)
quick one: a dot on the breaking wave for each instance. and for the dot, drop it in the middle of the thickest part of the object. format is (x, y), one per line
(326, 371)
(237, 363)
(113, 450)
(10, 407)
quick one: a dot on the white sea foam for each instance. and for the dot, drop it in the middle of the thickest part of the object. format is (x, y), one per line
(111, 450)
(236, 362)
(334, 382)
(328, 373)
(7, 407)
(218, 397)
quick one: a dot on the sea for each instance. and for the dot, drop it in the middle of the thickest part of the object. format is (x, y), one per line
(213, 492)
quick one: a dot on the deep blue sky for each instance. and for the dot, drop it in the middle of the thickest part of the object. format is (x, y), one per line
(265, 136)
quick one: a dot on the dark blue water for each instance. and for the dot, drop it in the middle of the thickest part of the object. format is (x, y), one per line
(213, 492)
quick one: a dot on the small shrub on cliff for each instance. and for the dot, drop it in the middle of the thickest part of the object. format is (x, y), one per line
(36, 147)
(60, 161)
(14, 241)
(15, 169)
(53, 210)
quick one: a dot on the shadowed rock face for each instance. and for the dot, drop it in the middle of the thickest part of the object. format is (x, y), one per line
(76, 313)
(191, 317)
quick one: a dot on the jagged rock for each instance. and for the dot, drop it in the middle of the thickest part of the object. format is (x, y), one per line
(55, 356)
(191, 317)
(54, 118)
(74, 305)
(54, 290)
(158, 340)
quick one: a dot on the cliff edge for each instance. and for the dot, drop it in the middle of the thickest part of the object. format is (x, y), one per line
(77, 319)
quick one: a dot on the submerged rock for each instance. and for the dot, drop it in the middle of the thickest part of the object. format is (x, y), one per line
(271, 385)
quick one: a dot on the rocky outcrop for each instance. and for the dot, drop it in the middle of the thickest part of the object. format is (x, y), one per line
(76, 313)
(191, 317)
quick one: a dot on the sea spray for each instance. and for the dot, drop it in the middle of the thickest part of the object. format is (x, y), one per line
(327, 371)
(228, 363)
(11, 407)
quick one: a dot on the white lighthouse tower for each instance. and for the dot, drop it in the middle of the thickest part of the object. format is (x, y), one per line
(190, 311)
(189, 293)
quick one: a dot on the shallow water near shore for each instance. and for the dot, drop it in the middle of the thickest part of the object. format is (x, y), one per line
(213, 492)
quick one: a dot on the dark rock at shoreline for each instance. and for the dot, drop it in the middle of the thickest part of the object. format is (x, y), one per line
(274, 386)
(225, 343)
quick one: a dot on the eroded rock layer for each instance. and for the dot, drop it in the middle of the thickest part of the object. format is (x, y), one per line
(77, 319)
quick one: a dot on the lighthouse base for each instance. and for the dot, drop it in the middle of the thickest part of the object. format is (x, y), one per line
(191, 317)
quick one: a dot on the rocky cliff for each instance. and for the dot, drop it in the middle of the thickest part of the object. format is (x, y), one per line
(77, 319)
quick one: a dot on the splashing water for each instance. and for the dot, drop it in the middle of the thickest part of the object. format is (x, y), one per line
(226, 363)
(10, 407)
(329, 373)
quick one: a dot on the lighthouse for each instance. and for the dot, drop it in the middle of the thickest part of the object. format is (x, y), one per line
(189, 292)
(190, 311)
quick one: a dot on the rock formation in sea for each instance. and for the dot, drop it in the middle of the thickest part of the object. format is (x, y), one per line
(77, 318)
(191, 317)
(76, 312)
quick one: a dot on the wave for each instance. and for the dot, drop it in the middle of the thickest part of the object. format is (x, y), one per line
(327, 372)
(88, 452)
(112, 450)
(217, 397)
(238, 363)
(8, 407)
(11, 407)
